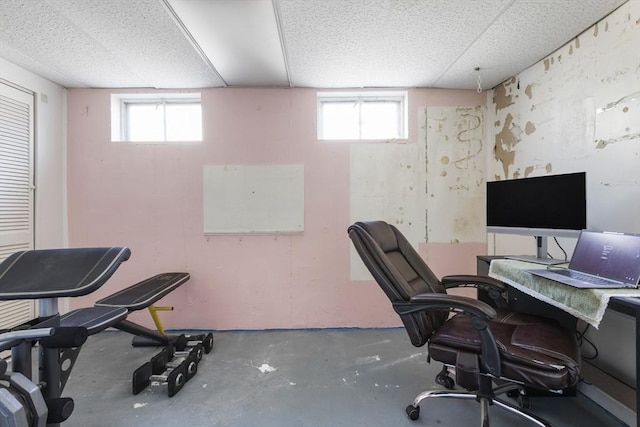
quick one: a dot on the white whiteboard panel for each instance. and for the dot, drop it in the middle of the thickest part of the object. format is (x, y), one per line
(253, 199)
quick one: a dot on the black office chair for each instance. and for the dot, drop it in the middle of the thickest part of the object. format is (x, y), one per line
(485, 345)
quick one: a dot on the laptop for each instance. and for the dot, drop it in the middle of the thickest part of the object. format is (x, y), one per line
(600, 260)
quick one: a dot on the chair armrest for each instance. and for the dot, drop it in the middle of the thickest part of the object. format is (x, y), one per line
(456, 303)
(480, 313)
(494, 287)
(482, 282)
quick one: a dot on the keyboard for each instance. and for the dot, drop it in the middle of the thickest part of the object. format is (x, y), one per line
(585, 277)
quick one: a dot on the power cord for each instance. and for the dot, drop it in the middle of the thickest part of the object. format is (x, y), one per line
(582, 340)
(555, 239)
(561, 248)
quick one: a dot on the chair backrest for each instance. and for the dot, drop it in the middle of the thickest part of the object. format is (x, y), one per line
(401, 273)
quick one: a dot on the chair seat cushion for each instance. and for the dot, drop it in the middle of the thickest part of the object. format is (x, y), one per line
(534, 350)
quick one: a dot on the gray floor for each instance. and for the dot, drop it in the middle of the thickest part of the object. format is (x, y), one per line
(289, 378)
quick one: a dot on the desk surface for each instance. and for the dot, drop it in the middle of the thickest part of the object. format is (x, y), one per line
(585, 304)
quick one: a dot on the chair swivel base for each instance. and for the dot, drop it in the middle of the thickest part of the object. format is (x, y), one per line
(413, 411)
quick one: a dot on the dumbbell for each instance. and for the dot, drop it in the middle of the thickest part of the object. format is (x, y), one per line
(160, 360)
(190, 362)
(207, 342)
(193, 358)
(196, 350)
(173, 378)
(163, 359)
(184, 341)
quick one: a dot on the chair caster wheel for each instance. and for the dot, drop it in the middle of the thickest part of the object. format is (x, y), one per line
(524, 402)
(446, 381)
(413, 412)
(521, 398)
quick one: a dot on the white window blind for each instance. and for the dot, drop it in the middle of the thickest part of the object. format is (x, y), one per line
(16, 189)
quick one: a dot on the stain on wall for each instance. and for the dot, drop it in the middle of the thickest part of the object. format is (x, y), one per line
(529, 128)
(501, 98)
(529, 91)
(505, 144)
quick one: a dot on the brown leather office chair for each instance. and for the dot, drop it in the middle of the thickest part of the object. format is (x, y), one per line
(492, 350)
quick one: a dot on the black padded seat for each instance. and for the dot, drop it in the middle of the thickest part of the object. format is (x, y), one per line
(95, 319)
(540, 354)
(53, 273)
(144, 293)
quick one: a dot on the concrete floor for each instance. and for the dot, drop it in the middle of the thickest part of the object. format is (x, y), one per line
(290, 378)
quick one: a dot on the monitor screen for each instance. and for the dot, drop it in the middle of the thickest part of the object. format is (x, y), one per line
(552, 205)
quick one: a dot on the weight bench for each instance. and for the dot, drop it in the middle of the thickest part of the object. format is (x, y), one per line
(47, 275)
(144, 295)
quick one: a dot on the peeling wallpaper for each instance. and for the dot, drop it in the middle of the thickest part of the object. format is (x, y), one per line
(455, 174)
(578, 109)
(431, 190)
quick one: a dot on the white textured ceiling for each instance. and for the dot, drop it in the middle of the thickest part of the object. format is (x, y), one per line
(299, 43)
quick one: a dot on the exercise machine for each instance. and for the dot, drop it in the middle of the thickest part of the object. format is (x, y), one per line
(45, 276)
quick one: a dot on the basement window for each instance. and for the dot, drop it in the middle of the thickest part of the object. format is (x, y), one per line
(156, 117)
(371, 116)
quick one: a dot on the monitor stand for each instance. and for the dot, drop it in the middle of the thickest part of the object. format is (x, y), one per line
(541, 254)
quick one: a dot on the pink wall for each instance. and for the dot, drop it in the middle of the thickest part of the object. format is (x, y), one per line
(149, 197)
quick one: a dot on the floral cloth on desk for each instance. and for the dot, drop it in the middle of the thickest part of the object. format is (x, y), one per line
(585, 304)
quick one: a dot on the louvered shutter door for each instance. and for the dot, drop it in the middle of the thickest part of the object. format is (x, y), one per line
(16, 190)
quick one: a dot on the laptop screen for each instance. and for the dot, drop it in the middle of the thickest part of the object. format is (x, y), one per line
(610, 255)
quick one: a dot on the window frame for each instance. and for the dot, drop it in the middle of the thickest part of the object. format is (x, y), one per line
(399, 97)
(120, 103)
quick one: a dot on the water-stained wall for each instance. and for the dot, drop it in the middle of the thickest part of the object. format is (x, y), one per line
(578, 110)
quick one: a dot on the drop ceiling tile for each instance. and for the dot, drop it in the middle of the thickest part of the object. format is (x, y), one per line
(142, 36)
(328, 43)
(524, 34)
(374, 43)
(102, 43)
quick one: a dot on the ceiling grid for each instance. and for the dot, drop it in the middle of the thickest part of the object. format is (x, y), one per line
(184, 44)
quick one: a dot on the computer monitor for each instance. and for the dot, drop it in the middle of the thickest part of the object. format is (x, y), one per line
(551, 205)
